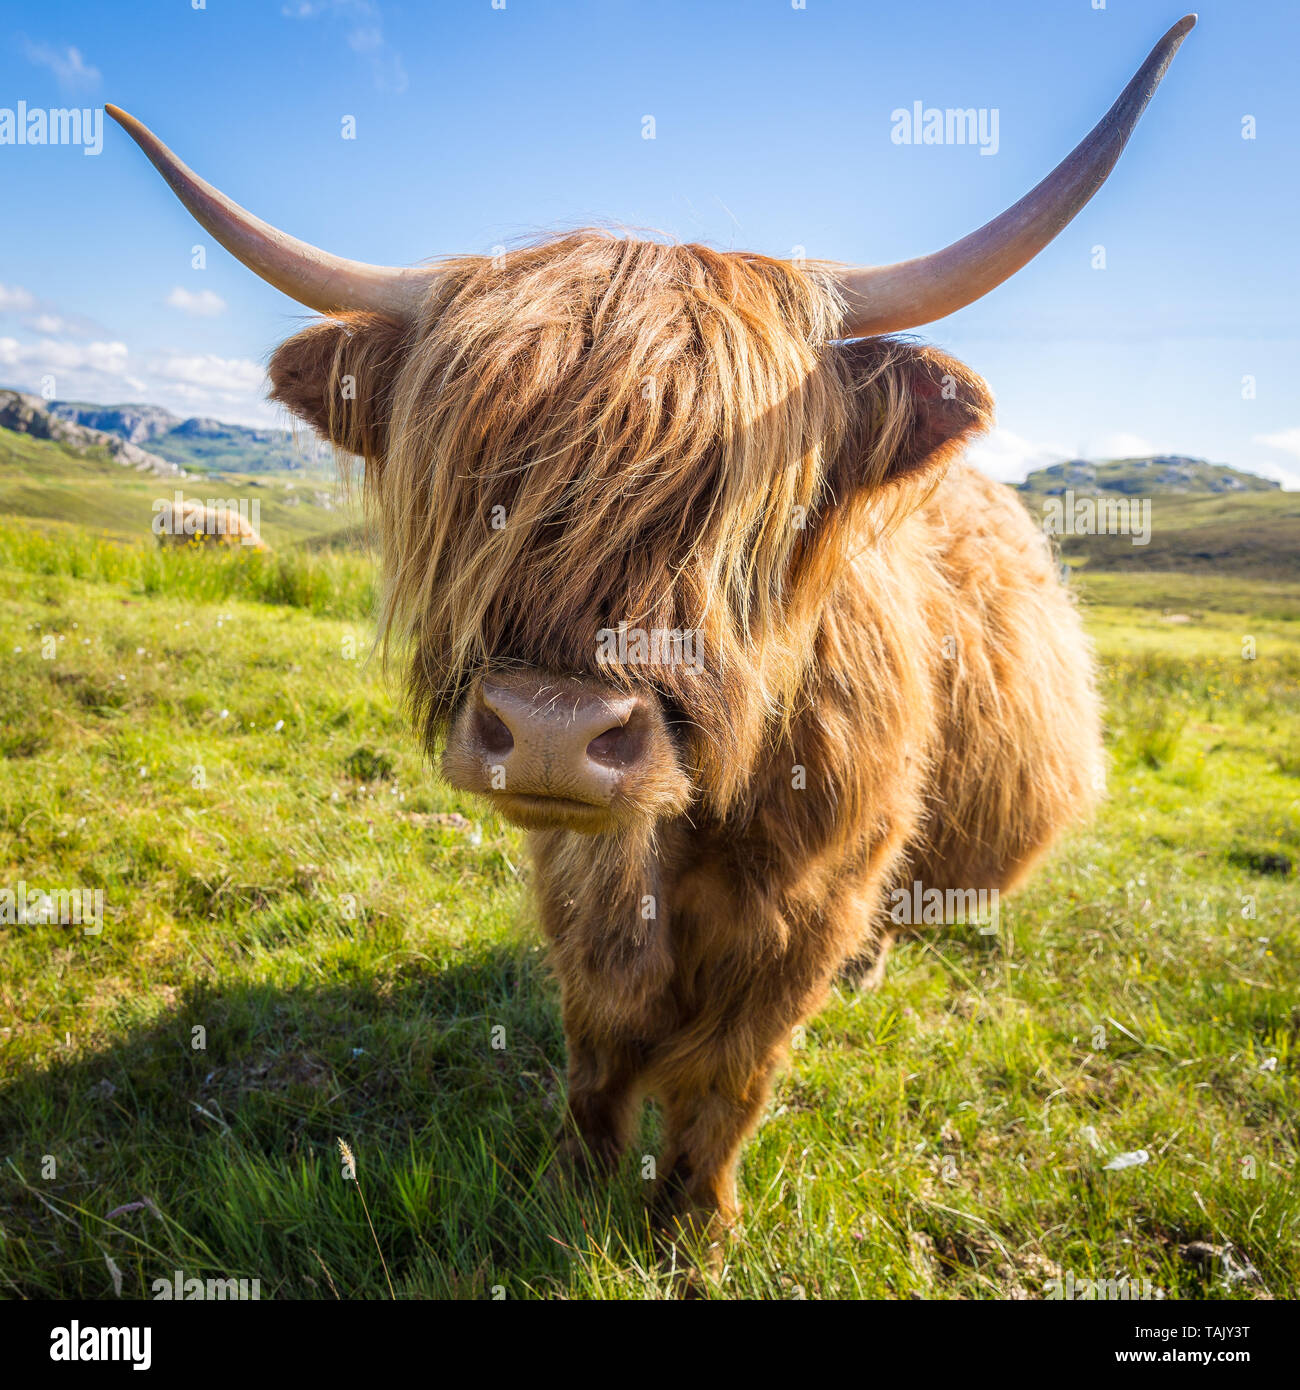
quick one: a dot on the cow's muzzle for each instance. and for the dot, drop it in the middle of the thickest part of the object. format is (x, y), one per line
(564, 753)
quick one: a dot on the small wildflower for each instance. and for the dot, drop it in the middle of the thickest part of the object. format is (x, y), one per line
(1128, 1160)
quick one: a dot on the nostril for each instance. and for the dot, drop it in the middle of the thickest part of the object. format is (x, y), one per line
(491, 733)
(620, 746)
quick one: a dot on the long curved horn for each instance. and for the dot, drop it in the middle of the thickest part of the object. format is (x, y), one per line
(313, 277)
(890, 298)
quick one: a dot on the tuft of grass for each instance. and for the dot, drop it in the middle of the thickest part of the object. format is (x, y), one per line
(366, 765)
(1287, 758)
(1155, 731)
(1260, 861)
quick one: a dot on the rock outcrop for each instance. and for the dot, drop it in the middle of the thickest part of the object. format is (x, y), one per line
(28, 414)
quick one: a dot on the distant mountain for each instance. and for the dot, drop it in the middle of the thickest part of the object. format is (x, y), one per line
(27, 414)
(200, 444)
(1142, 477)
(137, 424)
(1167, 513)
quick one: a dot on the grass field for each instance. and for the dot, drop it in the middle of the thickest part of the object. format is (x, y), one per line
(41, 480)
(306, 937)
(1249, 535)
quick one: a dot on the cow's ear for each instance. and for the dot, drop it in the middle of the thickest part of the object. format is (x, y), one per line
(338, 376)
(915, 409)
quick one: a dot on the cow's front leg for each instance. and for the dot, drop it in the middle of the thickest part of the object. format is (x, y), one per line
(714, 1075)
(713, 1089)
(612, 959)
(603, 1102)
(704, 1131)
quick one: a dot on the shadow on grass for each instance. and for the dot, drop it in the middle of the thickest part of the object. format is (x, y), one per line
(207, 1143)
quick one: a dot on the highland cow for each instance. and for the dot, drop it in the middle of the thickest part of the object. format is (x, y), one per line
(600, 435)
(187, 521)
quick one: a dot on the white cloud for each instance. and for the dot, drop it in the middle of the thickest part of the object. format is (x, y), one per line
(73, 359)
(51, 355)
(207, 372)
(1289, 478)
(365, 36)
(16, 300)
(1009, 457)
(1122, 445)
(367, 39)
(230, 389)
(202, 302)
(70, 69)
(49, 323)
(1286, 440)
(42, 317)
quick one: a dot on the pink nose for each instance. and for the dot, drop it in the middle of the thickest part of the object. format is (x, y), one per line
(527, 735)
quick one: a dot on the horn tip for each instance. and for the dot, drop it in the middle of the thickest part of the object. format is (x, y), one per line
(124, 118)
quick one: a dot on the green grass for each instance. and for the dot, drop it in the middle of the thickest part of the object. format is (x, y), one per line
(1252, 535)
(326, 581)
(308, 937)
(47, 485)
(1172, 596)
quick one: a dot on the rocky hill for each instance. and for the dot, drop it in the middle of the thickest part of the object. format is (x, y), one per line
(28, 414)
(137, 424)
(1142, 477)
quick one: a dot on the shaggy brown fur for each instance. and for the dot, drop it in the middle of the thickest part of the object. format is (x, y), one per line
(192, 523)
(599, 430)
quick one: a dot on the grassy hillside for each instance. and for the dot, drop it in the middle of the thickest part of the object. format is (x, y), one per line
(40, 480)
(1251, 534)
(1177, 597)
(308, 937)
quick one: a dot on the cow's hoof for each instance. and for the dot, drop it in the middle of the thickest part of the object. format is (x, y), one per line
(691, 1236)
(577, 1166)
(692, 1262)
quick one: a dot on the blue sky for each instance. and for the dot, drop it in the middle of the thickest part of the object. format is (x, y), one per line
(478, 125)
